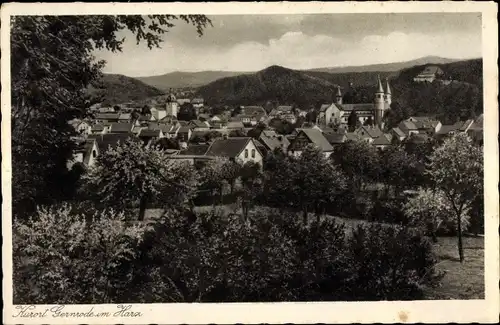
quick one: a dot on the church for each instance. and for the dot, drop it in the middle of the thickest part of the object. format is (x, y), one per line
(338, 113)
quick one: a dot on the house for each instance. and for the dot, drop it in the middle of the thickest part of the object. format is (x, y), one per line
(148, 135)
(252, 114)
(174, 131)
(271, 140)
(197, 125)
(398, 133)
(81, 127)
(280, 110)
(85, 153)
(144, 119)
(335, 139)
(235, 125)
(429, 74)
(105, 141)
(306, 137)
(99, 129)
(368, 133)
(197, 102)
(107, 117)
(305, 127)
(121, 128)
(325, 114)
(215, 118)
(352, 136)
(475, 131)
(124, 118)
(290, 118)
(408, 128)
(458, 127)
(184, 134)
(425, 124)
(382, 142)
(195, 150)
(241, 150)
(158, 114)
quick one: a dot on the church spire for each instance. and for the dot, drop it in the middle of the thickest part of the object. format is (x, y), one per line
(338, 96)
(388, 87)
(380, 88)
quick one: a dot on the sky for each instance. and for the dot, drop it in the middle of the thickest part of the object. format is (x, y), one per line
(254, 42)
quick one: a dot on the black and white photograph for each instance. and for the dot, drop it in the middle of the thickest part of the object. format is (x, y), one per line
(246, 158)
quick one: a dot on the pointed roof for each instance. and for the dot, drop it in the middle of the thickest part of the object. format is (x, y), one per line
(388, 91)
(339, 93)
(380, 88)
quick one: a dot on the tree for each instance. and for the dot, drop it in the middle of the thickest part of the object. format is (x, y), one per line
(237, 133)
(432, 212)
(359, 161)
(307, 183)
(52, 68)
(456, 168)
(251, 180)
(131, 173)
(400, 169)
(187, 112)
(117, 108)
(236, 110)
(352, 121)
(369, 121)
(257, 130)
(146, 110)
(212, 178)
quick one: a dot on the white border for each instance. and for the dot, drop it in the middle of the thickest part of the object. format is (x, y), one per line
(315, 312)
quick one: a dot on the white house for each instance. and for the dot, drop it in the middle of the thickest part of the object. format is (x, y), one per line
(241, 150)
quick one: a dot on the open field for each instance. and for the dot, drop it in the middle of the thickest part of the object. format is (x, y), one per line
(461, 281)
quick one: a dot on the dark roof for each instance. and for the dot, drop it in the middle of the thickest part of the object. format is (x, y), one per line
(199, 124)
(372, 131)
(184, 129)
(356, 107)
(97, 127)
(125, 116)
(235, 125)
(272, 140)
(230, 147)
(382, 140)
(107, 116)
(150, 133)
(398, 132)
(254, 110)
(146, 118)
(121, 127)
(445, 129)
(351, 136)
(111, 139)
(407, 125)
(317, 138)
(335, 138)
(195, 150)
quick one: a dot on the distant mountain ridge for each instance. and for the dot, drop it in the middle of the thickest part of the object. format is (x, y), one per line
(181, 79)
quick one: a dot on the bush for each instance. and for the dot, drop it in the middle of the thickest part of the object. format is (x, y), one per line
(62, 258)
(389, 211)
(389, 263)
(207, 257)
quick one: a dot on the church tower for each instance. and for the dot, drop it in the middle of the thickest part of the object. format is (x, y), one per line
(171, 106)
(388, 95)
(379, 103)
(338, 96)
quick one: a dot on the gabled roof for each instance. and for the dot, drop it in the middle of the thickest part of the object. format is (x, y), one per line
(351, 136)
(398, 132)
(146, 118)
(371, 131)
(272, 140)
(195, 150)
(199, 124)
(150, 133)
(230, 147)
(184, 129)
(107, 116)
(121, 127)
(382, 140)
(466, 125)
(335, 138)
(445, 129)
(253, 110)
(111, 139)
(235, 125)
(98, 127)
(407, 125)
(125, 116)
(431, 69)
(317, 138)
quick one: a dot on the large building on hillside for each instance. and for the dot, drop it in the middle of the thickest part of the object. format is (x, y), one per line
(338, 112)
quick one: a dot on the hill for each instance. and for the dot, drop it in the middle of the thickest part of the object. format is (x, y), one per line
(116, 89)
(271, 84)
(186, 79)
(387, 67)
(356, 73)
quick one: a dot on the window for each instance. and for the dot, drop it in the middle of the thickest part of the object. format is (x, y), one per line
(94, 153)
(253, 153)
(246, 153)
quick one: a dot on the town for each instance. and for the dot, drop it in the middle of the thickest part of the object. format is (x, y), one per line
(249, 130)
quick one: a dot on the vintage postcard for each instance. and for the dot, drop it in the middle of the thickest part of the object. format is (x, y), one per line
(196, 163)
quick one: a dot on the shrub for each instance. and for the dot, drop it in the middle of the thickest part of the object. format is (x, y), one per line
(62, 258)
(389, 263)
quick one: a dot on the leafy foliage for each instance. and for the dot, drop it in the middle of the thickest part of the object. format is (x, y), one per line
(52, 67)
(61, 257)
